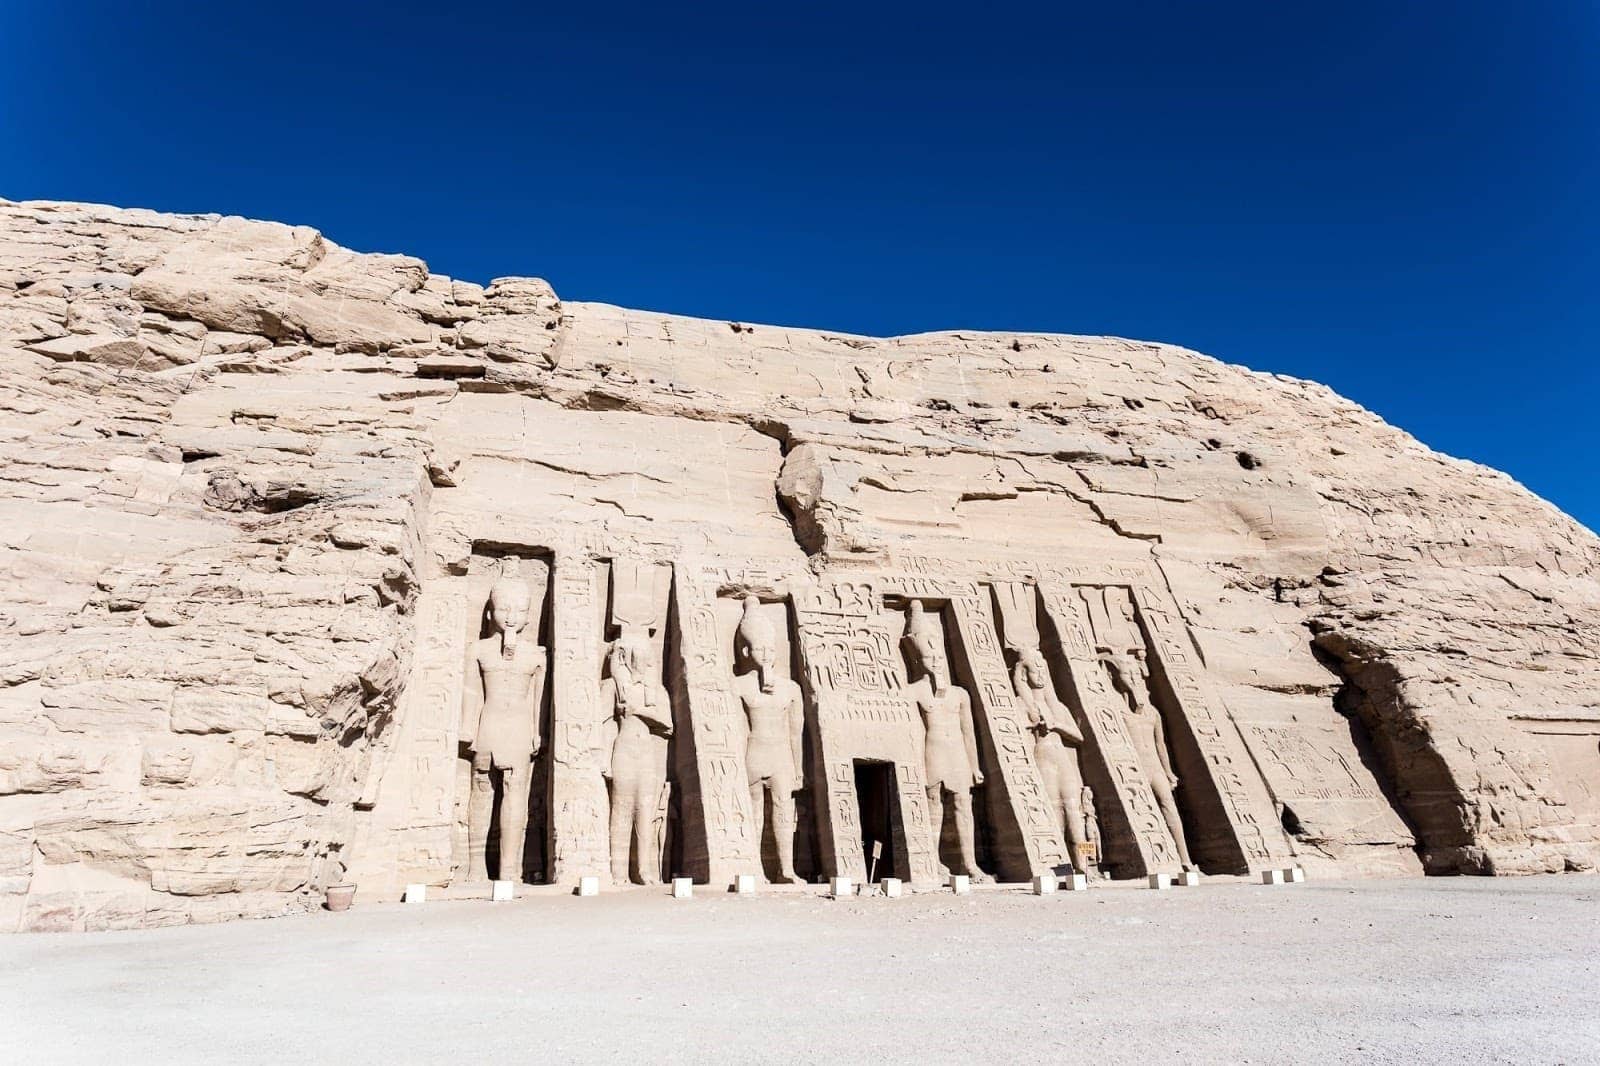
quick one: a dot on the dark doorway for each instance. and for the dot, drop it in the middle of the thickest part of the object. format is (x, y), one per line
(878, 802)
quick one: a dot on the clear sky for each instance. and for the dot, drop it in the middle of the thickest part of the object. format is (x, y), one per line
(1399, 199)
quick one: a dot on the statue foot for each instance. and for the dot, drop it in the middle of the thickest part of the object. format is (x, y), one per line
(980, 878)
(789, 879)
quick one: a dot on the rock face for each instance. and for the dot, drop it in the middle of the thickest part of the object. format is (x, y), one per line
(767, 600)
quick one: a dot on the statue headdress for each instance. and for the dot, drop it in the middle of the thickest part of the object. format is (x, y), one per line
(921, 633)
(754, 628)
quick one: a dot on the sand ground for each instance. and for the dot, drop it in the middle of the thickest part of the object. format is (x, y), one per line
(1439, 970)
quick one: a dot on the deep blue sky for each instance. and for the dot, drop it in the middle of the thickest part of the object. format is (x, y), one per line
(1398, 199)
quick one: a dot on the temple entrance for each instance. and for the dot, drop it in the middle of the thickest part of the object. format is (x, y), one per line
(877, 800)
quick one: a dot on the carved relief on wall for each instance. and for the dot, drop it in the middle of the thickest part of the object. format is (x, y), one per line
(774, 715)
(950, 751)
(579, 755)
(1234, 824)
(502, 723)
(639, 725)
(1185, 790)
(1057, 738)
(873, 816)
(1134, 835)
(1130, 677)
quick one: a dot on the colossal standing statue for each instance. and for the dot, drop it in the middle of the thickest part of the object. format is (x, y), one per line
(774, 754)
(1131, 676)
(1057, 740)
(500, 726)
(640, 725)
(951, 750)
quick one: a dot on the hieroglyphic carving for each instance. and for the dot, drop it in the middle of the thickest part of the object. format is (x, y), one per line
(424, 816)
(1009, 735)
(1303, 770)
(1131, 802)
(579, 814)
(848, 646)
(991, 568)
(713, 710)
(1250, 813)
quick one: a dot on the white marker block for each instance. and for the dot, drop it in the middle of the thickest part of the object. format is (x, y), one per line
(840, 887)
(682, 888)
(960, 884)
(416, 893)
(1160, 882)
(1189, 879)
(1075, 882)
(501, 891)
(1294, 874)
(892, 888)
(744, 884)
(1045, 884)
(1272, 877)
(588, 886)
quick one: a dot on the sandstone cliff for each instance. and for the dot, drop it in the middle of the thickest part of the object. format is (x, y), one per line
(239, 460)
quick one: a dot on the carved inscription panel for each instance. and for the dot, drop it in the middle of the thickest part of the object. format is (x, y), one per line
(849, 647)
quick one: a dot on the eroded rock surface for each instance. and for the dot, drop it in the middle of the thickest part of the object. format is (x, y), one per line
(257, 488)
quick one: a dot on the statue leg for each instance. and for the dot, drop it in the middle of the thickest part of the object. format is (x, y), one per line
(758, 819)
(644, 833)
(513, 821)
(1069, 799)
(936, 821)
(1169, 811)
(783, 829)
(623, 802)
(480, 811)
(1050, 778)
(961, 800)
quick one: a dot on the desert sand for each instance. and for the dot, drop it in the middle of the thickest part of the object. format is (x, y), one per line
(1406, 970)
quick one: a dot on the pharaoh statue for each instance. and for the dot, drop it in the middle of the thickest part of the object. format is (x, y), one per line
(951, 749)
(1057, 740)
(773, 755)
(1131, 676)
(639, 727)
(500, 724)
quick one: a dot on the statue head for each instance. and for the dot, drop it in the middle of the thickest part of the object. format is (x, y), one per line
(1034, 669)
(510, 604)
(927, 644)
(630, 655)
(760, 642)
(1126, 663)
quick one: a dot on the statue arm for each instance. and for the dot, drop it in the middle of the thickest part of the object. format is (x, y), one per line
(970, 738)
(657, 714)
(538, 704)
(608, 724)
(797, 734)
(471, 700)
(1066, 725)
(1161, 745)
